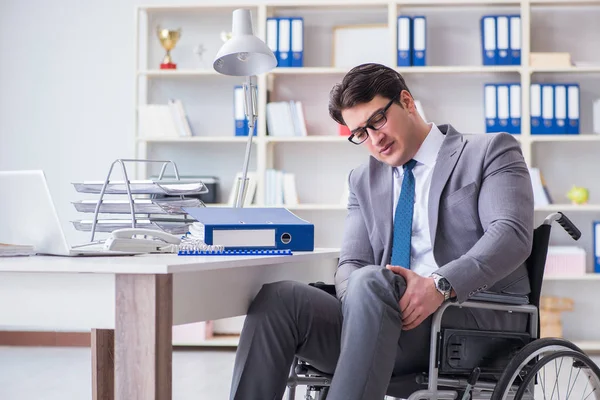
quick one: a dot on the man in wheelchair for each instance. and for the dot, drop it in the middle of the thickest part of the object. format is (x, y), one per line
(434, 217)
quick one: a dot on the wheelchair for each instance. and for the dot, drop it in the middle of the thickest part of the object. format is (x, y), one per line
(486, 365)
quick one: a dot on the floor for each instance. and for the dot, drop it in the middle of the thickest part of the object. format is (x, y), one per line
(56, 373)
(42, 373)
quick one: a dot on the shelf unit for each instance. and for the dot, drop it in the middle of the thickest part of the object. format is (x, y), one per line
(322, 160)
(282, 83)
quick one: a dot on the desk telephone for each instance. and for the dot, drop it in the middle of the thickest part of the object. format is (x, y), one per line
(153, 242)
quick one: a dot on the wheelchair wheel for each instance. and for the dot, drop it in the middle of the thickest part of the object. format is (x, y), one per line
(547, 368)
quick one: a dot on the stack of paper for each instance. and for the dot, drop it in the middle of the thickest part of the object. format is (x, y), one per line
(280, 188)
(286, 118)
(163, 120)
(8, 250)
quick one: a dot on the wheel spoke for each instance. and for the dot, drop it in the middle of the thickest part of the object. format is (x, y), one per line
(575, 381)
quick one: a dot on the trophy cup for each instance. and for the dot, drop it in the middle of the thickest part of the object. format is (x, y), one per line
(168, 40)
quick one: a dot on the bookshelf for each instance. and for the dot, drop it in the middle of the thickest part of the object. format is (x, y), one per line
(450, 89)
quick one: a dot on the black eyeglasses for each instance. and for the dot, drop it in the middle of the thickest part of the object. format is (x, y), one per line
(375, 122)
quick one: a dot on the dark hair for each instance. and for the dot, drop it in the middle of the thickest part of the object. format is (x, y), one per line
(361, 84)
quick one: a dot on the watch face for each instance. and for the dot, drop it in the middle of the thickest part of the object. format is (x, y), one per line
(444, 285)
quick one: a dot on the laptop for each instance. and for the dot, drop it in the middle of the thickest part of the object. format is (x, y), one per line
(28, 217)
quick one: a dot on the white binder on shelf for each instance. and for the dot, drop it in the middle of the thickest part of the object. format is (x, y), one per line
(502, 36)
(491, 108)
(297, 40)
(547, 109)
(273, 37)
(572, 109)
(488, 39)
(404, 40)
(535, 108)
(285, 43)
(560, 109)
(503, 107)
(514, 57)
(514, 120)
(419, 50)
(240, 121)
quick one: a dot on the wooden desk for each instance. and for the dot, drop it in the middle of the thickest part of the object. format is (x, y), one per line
(131, 303)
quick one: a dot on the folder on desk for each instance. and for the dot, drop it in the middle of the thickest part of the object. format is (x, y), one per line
(285, 43)
(419, 47)
(535, 108)
(241, 122)
(514, 119)
(490, 108)
(404, 41)
(560, 109)
(488, 39)
(297, 39)
(548, 120)
(514, 57)
(502, 39)
(503, 101)
(572, 109)
(273, 37)
(255, 228)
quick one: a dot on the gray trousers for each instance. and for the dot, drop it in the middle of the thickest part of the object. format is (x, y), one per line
(360, 341)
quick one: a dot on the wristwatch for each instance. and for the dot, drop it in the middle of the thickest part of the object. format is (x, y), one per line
(442, 285)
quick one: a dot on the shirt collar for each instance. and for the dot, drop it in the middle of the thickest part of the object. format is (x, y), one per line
(427, 153)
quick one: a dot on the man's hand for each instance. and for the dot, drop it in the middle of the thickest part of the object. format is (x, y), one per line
(420, 300)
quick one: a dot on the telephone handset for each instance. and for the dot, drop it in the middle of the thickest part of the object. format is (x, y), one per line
(155, 242)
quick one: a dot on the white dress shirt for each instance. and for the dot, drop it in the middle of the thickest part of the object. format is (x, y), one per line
(421, 250)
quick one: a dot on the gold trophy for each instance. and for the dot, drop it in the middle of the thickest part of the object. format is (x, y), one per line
(168, 40)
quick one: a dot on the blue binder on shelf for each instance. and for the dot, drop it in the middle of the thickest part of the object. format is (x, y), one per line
(548, 120)
(572, 109)
(273, 37)
(596, 245)
(514, 55)
(488, 40)
(297, 39)
(503, 100)
(404, 41)
(490, 108)
(419, 41)
(514, 118)
(240, 120)
(535, 109)
(253, 228)
(502, 40)
(284, 43)
(560, 109)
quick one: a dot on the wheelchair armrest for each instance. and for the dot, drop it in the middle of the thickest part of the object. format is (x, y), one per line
(500, 298)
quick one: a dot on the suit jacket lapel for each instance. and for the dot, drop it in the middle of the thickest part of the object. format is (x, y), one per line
(381, 190)
(447, 157)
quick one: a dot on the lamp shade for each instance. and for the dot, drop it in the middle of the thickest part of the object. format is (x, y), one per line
(244, 54)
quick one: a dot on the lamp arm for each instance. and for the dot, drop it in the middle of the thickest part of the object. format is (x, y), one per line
(250, 110)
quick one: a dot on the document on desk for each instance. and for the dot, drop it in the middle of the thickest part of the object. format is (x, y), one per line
(9, 250)
(256, 228)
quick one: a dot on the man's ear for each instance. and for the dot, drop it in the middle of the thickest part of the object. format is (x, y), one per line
(407, 101)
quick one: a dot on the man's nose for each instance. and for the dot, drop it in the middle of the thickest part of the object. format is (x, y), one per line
(375, 136)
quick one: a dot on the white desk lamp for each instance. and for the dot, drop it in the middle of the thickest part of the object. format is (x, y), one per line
(245, 55)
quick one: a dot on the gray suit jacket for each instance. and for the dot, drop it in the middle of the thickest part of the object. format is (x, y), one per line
(480, 215)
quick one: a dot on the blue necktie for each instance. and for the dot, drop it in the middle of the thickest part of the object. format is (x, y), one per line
(403, 218)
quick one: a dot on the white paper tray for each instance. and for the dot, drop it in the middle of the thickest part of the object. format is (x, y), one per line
(175, 227)
(140, 206)
(170, 187)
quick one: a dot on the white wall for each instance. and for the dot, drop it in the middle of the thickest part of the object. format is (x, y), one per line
(67, 90)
